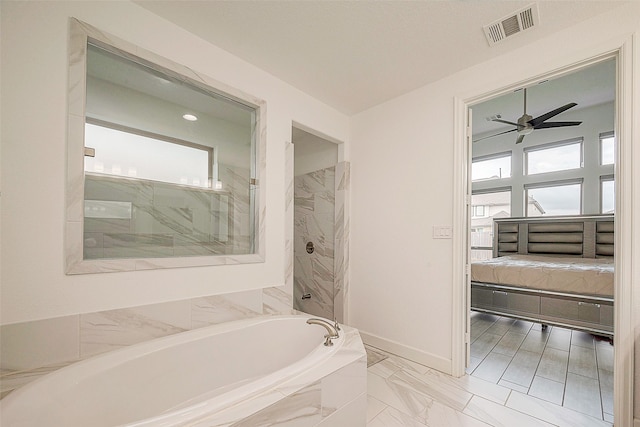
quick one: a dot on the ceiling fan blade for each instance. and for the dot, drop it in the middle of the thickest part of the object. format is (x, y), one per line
(535, 122)
(519, 140)
(491, 136)
(506, 122)
(548, 125)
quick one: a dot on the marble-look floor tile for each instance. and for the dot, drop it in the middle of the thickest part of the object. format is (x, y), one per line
(500, 416)
(522, 368)
(492, 367)
(513, 386)
(374, 407)
(501, 326)
(430, 387)
(554, 414)
(473, 385)
(549, 390)
(606, 390)
(374, 356)
(439, 415)
(474, 362)
(553, 365)
(582, 361)
(582, 339)
(395, 395)
(583, 395)
(391, 417)
(559, 339)
(604, 353)
(484, 344)
(521, 326)
(384, 368)
(509, 343)
(407, 365)
(535, 341)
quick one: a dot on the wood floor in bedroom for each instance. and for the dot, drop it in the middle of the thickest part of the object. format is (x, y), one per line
(520, 375)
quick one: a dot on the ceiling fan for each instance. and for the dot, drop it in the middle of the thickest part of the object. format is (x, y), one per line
(527, 124)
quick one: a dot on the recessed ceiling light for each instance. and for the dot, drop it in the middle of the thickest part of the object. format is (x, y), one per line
(190, 117)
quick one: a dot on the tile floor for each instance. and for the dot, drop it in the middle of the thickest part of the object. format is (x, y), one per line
(520, 376)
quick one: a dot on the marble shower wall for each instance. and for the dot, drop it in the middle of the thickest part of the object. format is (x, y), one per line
(134, 218)
(314, 221)
(29, 350)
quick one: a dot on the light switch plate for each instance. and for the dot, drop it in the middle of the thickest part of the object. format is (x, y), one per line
(442, 232)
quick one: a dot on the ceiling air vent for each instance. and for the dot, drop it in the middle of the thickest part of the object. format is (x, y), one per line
(518, 22)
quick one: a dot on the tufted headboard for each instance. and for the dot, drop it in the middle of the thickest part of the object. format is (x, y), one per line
(580, 236)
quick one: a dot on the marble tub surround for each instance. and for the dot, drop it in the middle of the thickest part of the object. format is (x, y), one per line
(322, 387)
(337, 398)
(31, 349)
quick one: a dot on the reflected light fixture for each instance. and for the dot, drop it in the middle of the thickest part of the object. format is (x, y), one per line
(189, 117)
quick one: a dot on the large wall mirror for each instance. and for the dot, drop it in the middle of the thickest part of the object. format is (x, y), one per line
(164, 164)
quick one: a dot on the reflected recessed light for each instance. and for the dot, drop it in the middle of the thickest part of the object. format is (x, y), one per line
(190, 117)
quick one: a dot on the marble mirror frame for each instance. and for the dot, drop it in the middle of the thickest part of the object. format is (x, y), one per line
(79, 34)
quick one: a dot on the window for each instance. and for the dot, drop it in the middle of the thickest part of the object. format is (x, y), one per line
(558, 156)
(161, 165)
(560, 198)
(495, 166)
(478, 211)
(607, 148)
(494, 204)
(125, 152)
(607, 195)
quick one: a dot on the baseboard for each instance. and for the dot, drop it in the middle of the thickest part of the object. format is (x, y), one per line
(430, 360)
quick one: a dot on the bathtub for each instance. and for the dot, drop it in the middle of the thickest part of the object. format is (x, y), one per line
(260, 371)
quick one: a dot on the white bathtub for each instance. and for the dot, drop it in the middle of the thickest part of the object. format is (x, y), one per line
(248, 372)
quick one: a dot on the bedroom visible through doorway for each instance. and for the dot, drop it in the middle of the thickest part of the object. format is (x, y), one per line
(546, 150)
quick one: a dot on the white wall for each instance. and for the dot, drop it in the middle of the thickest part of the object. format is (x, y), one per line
(34, 88)
(403, 167)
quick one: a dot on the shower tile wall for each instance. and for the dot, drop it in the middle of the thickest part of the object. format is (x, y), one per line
(314, 221)
(165, 220)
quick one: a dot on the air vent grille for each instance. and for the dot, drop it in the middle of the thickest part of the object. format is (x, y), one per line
(518, 22)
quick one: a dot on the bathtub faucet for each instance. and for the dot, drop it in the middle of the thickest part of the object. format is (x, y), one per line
(332, 332)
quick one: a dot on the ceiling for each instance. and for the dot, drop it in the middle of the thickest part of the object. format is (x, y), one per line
(353, 55)
(587, 87)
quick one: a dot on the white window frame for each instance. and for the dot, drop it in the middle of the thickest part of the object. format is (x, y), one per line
(493, 156)
(543, 147)
(551, 184)
(601, 138)
(603, 179)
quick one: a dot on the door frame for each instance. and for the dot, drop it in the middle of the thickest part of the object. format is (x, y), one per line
(624, 239)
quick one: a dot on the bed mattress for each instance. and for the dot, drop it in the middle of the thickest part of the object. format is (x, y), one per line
(584, 276)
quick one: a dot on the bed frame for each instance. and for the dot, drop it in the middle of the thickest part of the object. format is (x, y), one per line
(577, 236)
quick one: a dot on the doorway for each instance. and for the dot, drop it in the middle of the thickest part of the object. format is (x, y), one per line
(562, 171)
(320, 260)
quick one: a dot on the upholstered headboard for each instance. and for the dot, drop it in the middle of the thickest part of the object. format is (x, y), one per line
(580, 236)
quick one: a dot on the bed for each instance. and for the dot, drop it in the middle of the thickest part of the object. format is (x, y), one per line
(550, 270)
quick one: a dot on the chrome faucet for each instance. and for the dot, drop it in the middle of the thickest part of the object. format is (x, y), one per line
(332, 331)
